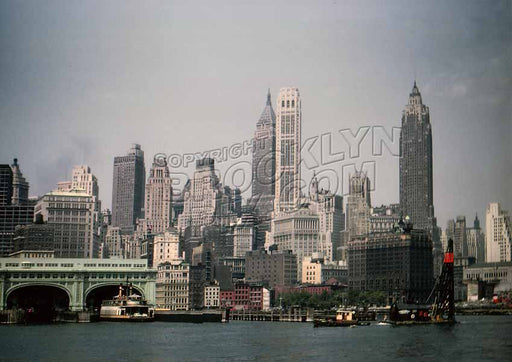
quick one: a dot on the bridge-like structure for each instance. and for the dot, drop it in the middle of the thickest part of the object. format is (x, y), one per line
(77, 277)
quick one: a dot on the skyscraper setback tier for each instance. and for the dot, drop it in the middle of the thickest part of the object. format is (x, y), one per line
(128, 189)
(288, 143)
(416, 191)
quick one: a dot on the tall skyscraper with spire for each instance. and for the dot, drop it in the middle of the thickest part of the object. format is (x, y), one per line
(128, 189)
(263, 169)
(288, 143)
(416, 186)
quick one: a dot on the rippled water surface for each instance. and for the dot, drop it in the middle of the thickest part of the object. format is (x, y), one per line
(482, 338)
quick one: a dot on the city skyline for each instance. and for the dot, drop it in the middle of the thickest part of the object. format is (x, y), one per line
(77, 117)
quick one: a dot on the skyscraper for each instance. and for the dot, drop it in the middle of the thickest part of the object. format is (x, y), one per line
(476, 243)
(158, 204)
(460, 243)
(128, 189)
(263, 170)
(497, 234)
(358, 206)
(82, 178)
(19, 185)
(15, 208)
(288, 143)
(313, 227)
(76, 236)
(416, 191)
(263, 160)
(6, 177)
(205, 200)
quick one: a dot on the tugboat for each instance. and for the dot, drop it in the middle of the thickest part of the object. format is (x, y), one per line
(442, 311)
(344, 318)
(129, 307)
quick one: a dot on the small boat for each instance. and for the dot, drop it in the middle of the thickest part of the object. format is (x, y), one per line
(344, 318)
(130, 307)
(384, 323)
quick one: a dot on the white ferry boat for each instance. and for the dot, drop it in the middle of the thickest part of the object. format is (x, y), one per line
(129, 307)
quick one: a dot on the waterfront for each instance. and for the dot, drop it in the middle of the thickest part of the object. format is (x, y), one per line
(475, 338)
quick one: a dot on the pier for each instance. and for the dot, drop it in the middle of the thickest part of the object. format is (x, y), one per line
(295, 315)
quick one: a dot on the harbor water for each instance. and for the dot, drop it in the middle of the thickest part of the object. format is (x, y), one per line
(474, 338)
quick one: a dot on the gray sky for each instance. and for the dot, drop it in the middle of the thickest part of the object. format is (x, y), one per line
(81, 80)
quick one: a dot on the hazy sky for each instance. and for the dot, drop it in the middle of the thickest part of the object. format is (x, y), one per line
(81, 80)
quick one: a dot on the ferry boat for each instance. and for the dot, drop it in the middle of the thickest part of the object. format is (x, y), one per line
(129, 307)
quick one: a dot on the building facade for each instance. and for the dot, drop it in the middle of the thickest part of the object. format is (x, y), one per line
(15, 207)
(271, 269)
(166, 247)
(288, 145)
(416, 177)
(72, 215)
(497, 276)
(212, 295)
(128, 189)
(329, 208)
(497, 234)
(244, 235)
(37, 236)
(399, 265)
(245, 296)
(316, 271)
(6, 178)
(460, 242)
(384, 218)
(358, 206)
(20, 186)
(172, 285)
(114, 246)
(158, 200)
(476, 242)
(205, 201)
(263, 170)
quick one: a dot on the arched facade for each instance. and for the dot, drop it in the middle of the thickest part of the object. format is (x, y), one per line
(77, 277)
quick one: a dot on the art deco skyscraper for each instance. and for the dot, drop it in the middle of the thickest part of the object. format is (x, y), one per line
(416, 191)
(288, 143)
(158, 204)
(206, 201)
(82, 178)
(128, 189)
